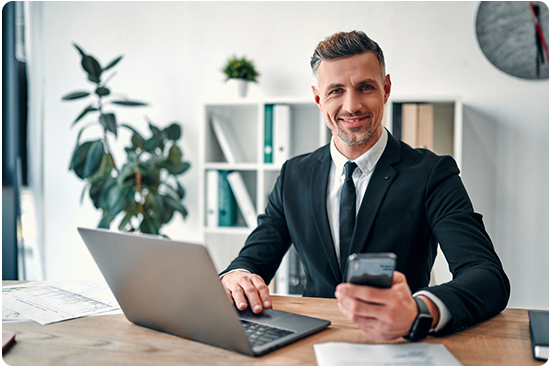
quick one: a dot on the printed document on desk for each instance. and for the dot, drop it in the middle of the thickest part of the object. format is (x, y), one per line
(49, 302)
(407, 354)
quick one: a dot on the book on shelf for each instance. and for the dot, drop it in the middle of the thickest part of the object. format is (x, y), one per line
(243, 198)
(268, 133)
(538, 329)
(281, 133)
(416, 125)
(212, 184)
(227, 206)
(226, 137)
(281, 277)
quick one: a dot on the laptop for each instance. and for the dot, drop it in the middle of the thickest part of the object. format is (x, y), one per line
(173, 287)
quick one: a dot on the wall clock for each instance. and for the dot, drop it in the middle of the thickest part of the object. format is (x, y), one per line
(510, 38)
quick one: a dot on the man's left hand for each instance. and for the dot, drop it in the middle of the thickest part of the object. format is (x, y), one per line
(385, 313)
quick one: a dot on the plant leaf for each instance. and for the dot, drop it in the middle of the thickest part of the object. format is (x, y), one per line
(154, 142)
(176, 169)
(174, 155)
(109, 184)
(173, 132)
(75, 95)
(176, 205)
(93, 158)
(108, 120)
(102, 91)
(156, 131)
(148, 225)
(78, 159)
(92, 67)
(180, 191)
(82, 53)
(132, 129)
(90, 108)
(127, 171)
(105, 221)
(112, 63)
(129, 103)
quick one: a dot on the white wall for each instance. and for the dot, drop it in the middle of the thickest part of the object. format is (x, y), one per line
(173, 52)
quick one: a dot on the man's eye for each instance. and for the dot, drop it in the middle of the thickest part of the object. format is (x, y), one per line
(366, 87)
(335, 91)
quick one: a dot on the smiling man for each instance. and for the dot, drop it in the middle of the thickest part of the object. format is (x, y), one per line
(368, 192)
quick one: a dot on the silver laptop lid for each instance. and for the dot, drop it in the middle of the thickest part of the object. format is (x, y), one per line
(168, 286)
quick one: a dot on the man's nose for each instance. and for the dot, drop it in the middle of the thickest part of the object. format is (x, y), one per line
(352, 103)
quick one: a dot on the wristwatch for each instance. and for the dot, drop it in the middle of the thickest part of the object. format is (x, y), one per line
(422, 324)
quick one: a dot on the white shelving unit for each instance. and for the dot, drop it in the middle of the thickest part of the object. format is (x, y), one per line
(447, 141)
(246, 118)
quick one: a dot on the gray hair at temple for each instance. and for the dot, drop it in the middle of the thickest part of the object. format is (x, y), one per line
(345, 44)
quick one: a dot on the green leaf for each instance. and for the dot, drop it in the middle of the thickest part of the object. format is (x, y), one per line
(82, 53)
(176, 205)
(129, 103)
(173, 132)
(96, 190)
(148, 225)
(132, 129)
(108, 120)
(176, 169)
(137, 141)
(92, 67)
(156, 131)
(112, 63)
(117, 199)
(153, 143)
(102, 91)
(175, 155)
(108, 185)
(75, 95)
(78, 160)
(125, 221)
(105, 221)
(93, 158)
(88, 109)
(127, 171)
(180, 191)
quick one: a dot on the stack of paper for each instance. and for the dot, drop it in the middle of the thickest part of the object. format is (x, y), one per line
(49, 302)
(407, 354)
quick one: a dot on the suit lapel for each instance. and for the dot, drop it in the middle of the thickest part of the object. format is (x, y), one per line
(318, 185)
(381, 179)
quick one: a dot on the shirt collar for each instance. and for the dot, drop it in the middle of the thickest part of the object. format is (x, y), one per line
(367, 161)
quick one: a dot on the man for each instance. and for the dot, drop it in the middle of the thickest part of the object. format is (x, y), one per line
(406, 202)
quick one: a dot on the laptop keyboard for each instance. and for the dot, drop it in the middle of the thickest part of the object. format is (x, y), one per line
(259, 334)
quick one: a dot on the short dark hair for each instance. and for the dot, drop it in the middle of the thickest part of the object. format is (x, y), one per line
(345, 44)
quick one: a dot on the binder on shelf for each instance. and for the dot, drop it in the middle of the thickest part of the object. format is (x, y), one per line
(538, 328)
(268, 133)
(243, 199)
(229, 144)
(281, 133)
(281, 277)
(212, 188)
(417, 125)
(226, 202)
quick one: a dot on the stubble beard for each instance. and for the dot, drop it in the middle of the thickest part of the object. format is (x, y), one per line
(357, 135)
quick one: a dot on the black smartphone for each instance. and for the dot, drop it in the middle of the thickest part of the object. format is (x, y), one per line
(373, 269)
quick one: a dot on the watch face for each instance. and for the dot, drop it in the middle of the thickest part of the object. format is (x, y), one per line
(509, 37)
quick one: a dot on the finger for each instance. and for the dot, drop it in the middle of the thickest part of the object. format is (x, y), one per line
(263, 291)
(252, 295)
(238, 296)
(364, 293)
(359, 308)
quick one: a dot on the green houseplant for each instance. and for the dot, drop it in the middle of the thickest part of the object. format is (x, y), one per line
(241, 71)
(145, 189)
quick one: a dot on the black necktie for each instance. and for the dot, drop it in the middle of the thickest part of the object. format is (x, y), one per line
(347, 213)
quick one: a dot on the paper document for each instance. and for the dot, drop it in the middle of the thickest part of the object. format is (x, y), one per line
(408, 354)
(49, 302)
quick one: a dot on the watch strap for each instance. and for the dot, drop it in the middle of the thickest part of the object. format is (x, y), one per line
(422, 324)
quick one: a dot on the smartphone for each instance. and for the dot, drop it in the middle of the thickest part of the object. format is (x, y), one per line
(372, 269)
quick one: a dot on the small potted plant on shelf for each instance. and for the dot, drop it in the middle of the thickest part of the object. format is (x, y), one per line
(241, 71)
(144, 190)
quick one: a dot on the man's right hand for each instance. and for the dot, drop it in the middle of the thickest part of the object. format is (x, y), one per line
(241, 286)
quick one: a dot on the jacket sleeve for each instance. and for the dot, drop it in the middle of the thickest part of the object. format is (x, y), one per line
(479, 289)
(269, 241)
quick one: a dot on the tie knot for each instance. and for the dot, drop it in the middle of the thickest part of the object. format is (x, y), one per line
(350, 167)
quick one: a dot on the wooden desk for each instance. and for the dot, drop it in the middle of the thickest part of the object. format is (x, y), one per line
(113, 340)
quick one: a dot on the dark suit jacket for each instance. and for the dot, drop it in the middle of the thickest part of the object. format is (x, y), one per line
(414, 200)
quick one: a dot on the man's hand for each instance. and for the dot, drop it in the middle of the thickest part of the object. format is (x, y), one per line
(384, 313)
(241, 285)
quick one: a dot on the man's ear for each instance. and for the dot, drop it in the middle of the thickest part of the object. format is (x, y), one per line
(316, 97)
(387, 88)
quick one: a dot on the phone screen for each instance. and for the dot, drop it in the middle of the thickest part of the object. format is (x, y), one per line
(372, 269)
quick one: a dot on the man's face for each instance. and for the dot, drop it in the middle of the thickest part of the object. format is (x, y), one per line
(351, 93)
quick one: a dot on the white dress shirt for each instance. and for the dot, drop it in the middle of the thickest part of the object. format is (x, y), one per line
(361, 177)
